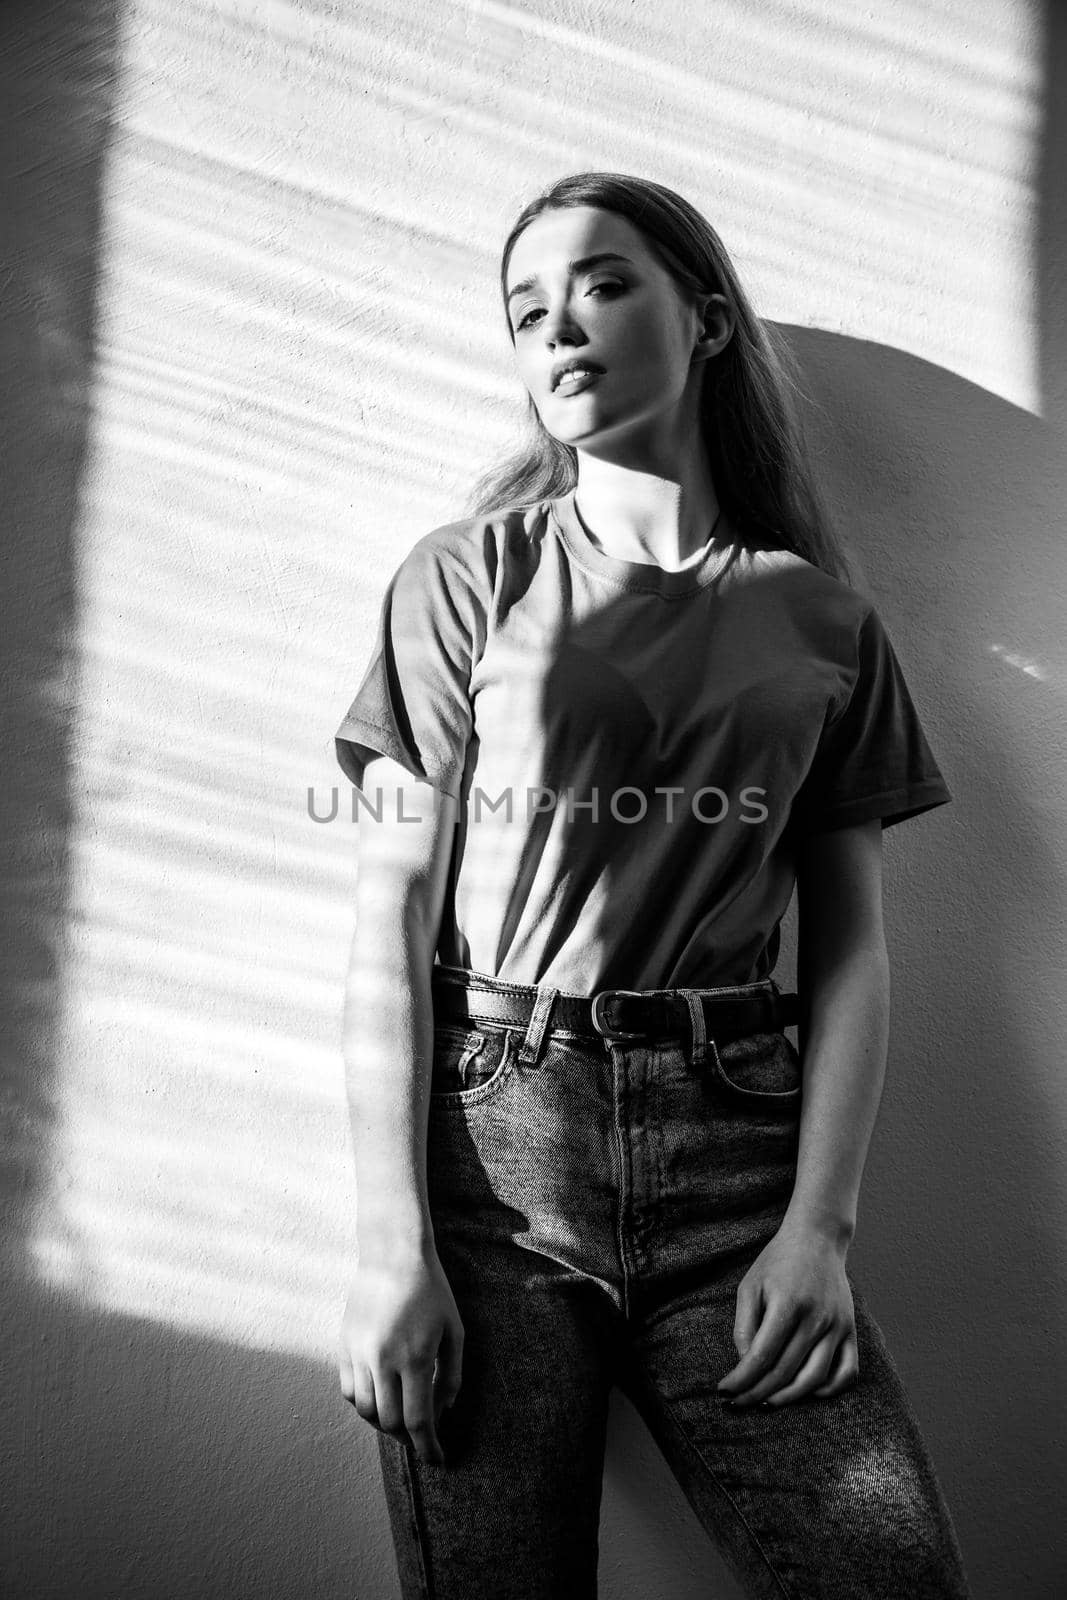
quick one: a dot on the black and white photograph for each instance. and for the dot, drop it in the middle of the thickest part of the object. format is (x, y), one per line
(535, 833)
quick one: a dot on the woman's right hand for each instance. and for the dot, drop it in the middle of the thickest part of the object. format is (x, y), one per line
(400, 1319)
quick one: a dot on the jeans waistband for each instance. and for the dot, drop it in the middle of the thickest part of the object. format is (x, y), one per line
(705, 1016)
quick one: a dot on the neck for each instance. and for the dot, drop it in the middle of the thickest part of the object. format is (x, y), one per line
(643, 515)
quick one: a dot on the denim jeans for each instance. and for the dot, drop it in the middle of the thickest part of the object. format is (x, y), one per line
(594, 1208)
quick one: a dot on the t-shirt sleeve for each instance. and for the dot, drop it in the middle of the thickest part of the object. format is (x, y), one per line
(414, 701)
(873, 758)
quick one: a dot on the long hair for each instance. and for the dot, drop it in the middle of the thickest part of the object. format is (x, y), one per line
(751, 427)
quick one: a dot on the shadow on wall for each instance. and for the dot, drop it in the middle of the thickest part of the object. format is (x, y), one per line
(952, 501)
(146, 1466)
(46, 356)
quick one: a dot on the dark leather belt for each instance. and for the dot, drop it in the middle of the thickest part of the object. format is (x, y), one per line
(618, 1013)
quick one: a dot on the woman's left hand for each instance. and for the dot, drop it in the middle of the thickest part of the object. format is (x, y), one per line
(795, 1325)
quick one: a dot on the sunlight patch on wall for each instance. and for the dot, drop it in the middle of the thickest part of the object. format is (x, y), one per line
(196, 1176)
(1011, 658)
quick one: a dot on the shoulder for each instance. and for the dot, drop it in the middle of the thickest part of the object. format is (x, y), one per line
(826, 612)
(473, 553)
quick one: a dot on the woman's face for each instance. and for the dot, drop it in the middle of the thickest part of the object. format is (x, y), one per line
(625, 315)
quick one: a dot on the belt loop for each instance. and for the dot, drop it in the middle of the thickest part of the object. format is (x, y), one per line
(530, 1048)
(701, 1043)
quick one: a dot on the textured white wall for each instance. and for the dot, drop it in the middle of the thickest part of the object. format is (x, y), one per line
(253, 350)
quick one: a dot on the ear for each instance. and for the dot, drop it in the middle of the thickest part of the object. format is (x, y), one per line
(717, 326)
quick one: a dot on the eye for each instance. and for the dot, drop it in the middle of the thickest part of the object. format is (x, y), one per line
(595, 288)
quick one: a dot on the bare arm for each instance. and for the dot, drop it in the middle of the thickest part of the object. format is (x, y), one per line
(387, 1036)
(795, 1327)
(843, 979)
(401, 1339)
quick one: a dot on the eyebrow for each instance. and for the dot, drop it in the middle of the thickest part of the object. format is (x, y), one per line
(582, 264)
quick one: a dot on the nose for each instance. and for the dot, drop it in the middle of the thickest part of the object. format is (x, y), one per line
(559, 325)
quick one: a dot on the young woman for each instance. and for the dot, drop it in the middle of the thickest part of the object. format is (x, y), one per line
(613, 717)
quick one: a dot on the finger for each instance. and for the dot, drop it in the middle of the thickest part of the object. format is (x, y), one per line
(419, 1422)
(748, 1314)
(448, 1372)
(347, 1376)
(762, 1353)
(389, 1395)
(780, 1369)
(360, 1390)
(810, 1373)
(845, 1370)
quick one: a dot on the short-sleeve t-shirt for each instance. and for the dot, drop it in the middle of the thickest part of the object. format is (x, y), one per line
(629, 754)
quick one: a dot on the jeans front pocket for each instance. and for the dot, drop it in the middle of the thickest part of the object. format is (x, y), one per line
(470, 1062)
(761, 1070)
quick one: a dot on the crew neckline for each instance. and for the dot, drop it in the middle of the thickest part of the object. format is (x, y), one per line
(705, 565)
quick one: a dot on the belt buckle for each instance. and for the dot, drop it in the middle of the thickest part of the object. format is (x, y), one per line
(599, 1023)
